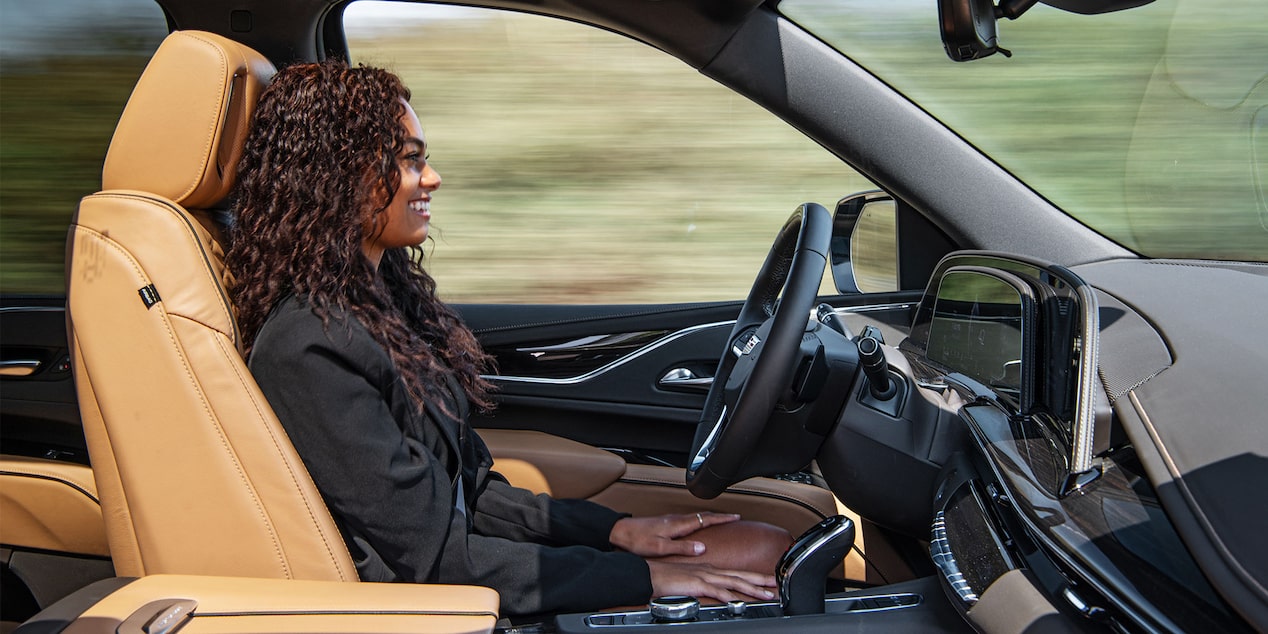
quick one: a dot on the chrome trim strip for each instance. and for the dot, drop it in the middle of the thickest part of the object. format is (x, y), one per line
(668, 339)
(614, 364)
(940, 550)
(1084, 417)
(684, 378)
(706, 447)
(874, 308)
(718, 613)
(32, 309)
(19, 367)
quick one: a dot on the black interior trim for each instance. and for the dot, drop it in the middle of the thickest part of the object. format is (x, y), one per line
(59, 616)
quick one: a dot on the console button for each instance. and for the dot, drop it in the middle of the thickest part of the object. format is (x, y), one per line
(674, 608)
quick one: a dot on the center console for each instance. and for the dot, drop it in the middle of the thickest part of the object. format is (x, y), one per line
(913, 606)
(918, 605)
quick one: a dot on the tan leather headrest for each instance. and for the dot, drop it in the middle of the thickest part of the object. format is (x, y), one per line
(182, 131)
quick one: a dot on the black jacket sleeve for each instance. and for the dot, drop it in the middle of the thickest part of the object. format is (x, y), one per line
(508, 511)
(388, 481)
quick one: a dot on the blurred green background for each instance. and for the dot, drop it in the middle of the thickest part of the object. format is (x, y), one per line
(582, 167)
(1148, 124)
(63, 82)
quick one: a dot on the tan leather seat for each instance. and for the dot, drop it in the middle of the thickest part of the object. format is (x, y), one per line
(50, 505)
(194, 471)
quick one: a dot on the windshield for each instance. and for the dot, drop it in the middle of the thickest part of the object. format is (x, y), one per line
(1149, 124)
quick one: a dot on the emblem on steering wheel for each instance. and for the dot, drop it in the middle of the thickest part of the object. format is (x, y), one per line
(747, 346)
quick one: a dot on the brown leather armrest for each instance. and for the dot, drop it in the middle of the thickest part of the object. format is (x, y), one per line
(523, 474)
(571, 469)
(232, 604)
(793, 506)
(50, 505)
(650, 490)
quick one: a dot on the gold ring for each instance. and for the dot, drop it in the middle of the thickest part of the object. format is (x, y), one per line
(700, 519)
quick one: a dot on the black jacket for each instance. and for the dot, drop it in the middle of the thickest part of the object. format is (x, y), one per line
(389, 473)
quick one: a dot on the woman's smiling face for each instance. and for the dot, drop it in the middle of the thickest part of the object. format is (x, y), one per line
(406, 220)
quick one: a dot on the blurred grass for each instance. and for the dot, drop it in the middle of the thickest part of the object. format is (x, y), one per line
(583, 167)
(57, 112)
(1115, 118)
(580, 166)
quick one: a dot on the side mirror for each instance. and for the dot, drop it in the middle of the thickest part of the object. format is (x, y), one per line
(864, 248)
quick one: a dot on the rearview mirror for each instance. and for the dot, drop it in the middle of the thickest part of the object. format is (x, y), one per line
(968, 26)
(968, 29)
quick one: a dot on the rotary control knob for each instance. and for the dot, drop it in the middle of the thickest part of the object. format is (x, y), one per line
(674, 609)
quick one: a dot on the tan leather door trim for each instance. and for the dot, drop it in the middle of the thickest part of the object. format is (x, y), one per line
(571, 469)
(50, 505)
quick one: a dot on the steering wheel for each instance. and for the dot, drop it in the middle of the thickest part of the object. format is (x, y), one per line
(761, 355)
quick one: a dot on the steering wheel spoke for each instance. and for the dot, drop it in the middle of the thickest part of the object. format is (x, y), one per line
(761, 357)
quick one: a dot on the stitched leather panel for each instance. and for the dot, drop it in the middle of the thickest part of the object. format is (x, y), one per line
(647, 490)
(195, 473)
(571, 469)
(795, 507)
(50, 505)
(181, 134)
(212, 485)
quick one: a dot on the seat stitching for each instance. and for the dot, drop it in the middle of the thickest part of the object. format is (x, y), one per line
(133, 544)
(55, 477)
(201, 395)
(215, 123)
(291, 472)
(180, 214)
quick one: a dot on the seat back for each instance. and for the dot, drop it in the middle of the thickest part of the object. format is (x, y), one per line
(195, 474)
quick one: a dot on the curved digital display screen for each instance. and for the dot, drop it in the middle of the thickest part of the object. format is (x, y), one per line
(977, 329)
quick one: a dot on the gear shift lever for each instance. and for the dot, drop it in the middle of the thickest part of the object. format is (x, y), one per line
(802, 574)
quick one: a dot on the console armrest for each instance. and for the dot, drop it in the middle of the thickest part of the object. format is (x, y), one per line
(232, 604)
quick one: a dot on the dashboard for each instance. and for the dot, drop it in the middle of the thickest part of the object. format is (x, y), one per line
(1046, 494)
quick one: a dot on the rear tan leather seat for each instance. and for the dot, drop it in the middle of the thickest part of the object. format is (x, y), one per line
(194, 472)
(50, 505)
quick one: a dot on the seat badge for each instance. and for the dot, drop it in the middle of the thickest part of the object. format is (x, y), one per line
(747, 347)
(149, 296)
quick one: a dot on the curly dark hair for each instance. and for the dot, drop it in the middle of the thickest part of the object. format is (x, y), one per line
(319, 164)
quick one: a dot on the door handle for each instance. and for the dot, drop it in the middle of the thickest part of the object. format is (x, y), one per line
(19, 367)
(684, 379)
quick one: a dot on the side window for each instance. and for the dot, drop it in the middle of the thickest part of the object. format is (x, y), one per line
(64, 81)
(583, 167)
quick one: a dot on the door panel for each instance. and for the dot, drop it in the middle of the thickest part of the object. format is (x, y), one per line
(620, 405)
(552, 377)
(38, 413)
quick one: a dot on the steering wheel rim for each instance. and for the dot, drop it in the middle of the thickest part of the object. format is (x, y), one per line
(761, 354)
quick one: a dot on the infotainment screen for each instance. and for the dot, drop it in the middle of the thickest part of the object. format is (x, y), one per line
(1024, 330)
(978, 329)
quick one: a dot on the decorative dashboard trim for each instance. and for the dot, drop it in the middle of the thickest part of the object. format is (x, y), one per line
(666, 340)
(1084, 420)
(944, 559)
(32, 309)
(614, 364)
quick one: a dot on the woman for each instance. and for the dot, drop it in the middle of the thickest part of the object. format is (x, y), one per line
(373, 376)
